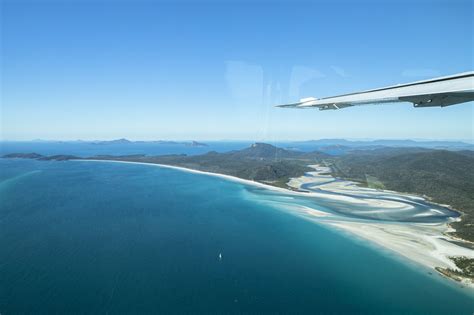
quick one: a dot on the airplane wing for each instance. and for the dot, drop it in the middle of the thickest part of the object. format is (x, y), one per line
(443, 91)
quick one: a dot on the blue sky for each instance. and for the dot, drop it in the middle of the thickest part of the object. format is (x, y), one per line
(214, 70)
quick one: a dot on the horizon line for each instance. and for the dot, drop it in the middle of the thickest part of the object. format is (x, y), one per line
(245, 140)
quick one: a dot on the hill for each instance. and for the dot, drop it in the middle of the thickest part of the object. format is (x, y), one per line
(260, 162)
(402, 143)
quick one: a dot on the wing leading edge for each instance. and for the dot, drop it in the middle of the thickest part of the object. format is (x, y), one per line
(443, 91)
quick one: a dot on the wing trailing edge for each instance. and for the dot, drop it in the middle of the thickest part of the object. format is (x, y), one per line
(443, 91)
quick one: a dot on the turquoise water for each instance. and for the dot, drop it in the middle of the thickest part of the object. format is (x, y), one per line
(95, 237)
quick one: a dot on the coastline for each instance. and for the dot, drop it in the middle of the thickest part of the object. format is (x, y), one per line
(190, 170)
(427, 244)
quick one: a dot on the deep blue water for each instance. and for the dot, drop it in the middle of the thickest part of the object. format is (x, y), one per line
(96, 237)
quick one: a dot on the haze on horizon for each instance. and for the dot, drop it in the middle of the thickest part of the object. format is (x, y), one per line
(132, 140)
(135, 71)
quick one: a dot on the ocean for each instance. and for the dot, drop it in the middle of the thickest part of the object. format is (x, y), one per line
(101, 237)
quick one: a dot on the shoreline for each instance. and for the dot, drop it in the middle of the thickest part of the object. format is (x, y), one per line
(427, 244)
(190, 170)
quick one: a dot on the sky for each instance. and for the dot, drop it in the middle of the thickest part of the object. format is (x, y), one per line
(214, 70)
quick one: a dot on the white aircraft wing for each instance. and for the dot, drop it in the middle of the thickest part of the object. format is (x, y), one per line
(443, 91)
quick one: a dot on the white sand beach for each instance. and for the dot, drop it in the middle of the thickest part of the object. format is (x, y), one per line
(423, 243)
(428, 244)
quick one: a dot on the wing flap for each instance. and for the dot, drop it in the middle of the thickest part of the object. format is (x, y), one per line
(441, 99)
(334, 106)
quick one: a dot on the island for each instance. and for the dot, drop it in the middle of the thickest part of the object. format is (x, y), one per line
(124, 141)
(445, 178)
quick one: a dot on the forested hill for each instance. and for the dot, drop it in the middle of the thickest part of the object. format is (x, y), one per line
(445, 176)
(260, 162)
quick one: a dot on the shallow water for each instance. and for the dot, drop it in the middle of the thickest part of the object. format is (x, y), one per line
(110, 237)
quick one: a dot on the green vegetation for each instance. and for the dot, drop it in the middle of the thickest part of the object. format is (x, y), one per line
(260, 162)
(373, 182)
(466, 266)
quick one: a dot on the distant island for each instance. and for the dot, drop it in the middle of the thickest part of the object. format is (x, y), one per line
(126, 141)
(190, 143)
(117, 141)
(320, 144)
(400, 143)
(195, 144)
(445, 177)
